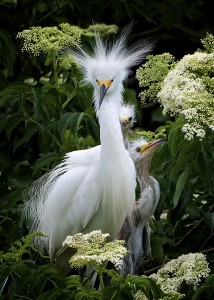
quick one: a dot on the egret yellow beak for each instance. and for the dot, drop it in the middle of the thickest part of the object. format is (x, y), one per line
(104, 86)
(151, 146)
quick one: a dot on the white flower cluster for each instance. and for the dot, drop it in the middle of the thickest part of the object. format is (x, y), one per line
(189, 268)
(93, 250)
(140, 296)
(187, 90)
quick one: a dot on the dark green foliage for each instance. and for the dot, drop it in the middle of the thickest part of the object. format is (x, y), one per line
(21, 276)
(184, 170)
(206, 290)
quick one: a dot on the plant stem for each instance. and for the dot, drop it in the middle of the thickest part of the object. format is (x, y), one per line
(100, 274)
(54, 64)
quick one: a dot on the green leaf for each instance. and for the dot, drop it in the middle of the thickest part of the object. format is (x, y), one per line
(70, 120)
(205, 164)
(209, 219)
(28, 132)
(205, 290)
(8, 51)
(11, 122)
(70, 96)
(180, 186)
(180, 164)
(64, 122)
(81, 116)
(158, 249)
(175, 135)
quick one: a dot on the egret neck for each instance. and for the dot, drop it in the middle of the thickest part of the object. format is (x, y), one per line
(117, 179)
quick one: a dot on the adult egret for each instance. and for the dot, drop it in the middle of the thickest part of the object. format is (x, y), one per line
(141, 153)
(95, 188)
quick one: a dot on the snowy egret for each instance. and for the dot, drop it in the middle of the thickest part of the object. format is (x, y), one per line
(141, 153)
(95, 188)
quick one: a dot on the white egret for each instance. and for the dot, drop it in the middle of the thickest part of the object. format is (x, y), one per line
(141, 153)
(95, 188)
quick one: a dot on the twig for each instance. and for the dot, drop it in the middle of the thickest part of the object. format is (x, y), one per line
(189, 232)
(207, 250)
(150, 271)
(193, 228)
(205, 242)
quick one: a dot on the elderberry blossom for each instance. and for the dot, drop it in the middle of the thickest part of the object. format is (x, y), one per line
(188, 91)
(189, 268)
(92, 249)
(39, 39)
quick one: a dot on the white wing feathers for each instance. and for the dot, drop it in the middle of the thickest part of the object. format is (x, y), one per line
(53, 193)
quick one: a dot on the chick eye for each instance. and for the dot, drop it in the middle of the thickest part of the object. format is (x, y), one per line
(138, 149)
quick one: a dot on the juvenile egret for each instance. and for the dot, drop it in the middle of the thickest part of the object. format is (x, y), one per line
(95, 188)
(141, 153)
(127, 119)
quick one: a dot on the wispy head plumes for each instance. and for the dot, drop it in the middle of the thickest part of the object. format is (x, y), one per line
(117, 53)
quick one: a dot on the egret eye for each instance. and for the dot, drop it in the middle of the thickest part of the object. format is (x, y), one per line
(130, 119)
(138, 149)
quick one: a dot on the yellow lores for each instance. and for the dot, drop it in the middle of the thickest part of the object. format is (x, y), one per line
(106, 83)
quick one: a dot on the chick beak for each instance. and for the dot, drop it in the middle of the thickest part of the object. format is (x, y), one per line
(124, 121)
(151, 146)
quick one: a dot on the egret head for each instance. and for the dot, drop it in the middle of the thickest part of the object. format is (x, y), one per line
(127, 117)
(108, 65)
(140, 150)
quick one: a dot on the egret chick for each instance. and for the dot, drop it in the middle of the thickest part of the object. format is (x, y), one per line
(141, 153)
(127, 120)
(91, 189)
